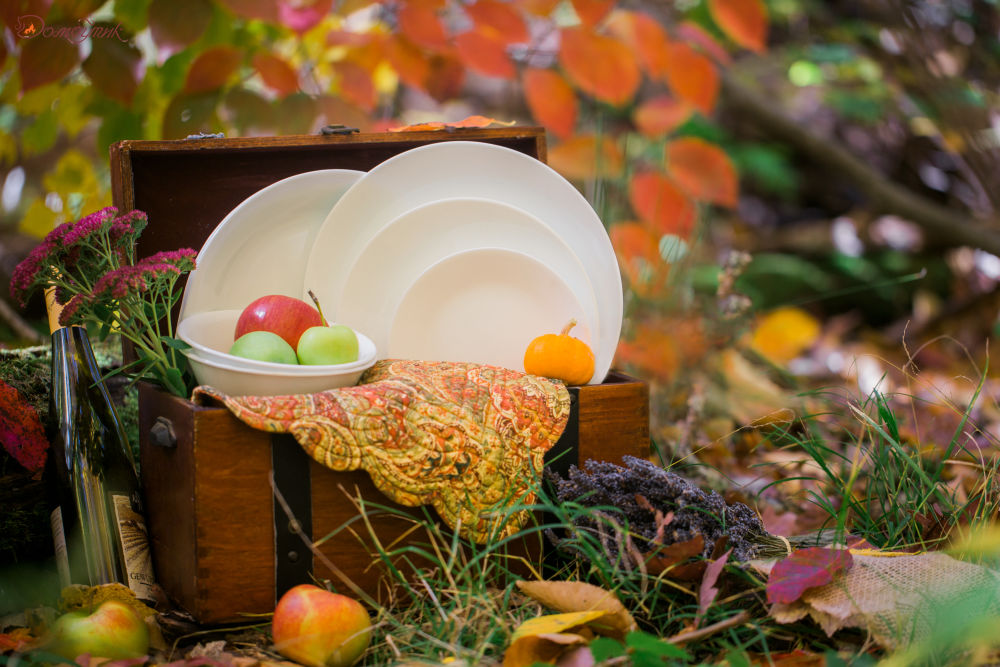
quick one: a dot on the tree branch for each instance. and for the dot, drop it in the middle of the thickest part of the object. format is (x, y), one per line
(940, 222)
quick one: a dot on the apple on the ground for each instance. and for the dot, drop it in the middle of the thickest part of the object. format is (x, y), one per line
(113, 630)
(318, 628)
(336, 344)
(264, 346)
(284, 315)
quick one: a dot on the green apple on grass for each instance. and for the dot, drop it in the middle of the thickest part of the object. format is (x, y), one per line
(264, 346)
(321, 345)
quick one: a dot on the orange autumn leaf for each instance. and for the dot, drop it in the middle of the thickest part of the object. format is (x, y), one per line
(410, 63)
(744, 21)
(485, 53)
(638, 253)
(356, 85)
(658, 201)
(421, 25)
(600, 66)
(551, 100)
(348, 38)
(211, 69)
(500, 17)
(446, 77)
(474, 122)
(701, 39)
(661, 115)
(645, 37)
(652, 350)
(584, 156)
(784, 334)
(538, 7)
(692, 77)
(703, 170)
(591, 12)
(276, 74)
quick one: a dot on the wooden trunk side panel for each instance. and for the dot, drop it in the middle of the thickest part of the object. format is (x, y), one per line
(614, 421)
(234, 518)
(169, 496)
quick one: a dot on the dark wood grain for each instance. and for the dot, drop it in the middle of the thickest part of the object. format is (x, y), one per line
(614, 419)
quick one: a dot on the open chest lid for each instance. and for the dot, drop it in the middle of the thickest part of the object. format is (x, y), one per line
(188, 186)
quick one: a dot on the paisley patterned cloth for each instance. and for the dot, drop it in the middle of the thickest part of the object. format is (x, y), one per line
(464, 438)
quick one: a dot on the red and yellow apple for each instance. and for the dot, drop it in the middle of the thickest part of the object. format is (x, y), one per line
(284, 315)
(112, 630)
(318, 628)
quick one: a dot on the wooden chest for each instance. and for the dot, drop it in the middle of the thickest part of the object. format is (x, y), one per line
(222, 545)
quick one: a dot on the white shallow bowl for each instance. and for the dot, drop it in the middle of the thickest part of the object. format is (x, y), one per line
(210, 335)
(256, 382)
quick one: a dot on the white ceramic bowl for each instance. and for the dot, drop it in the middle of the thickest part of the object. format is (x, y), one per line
(210, 334)
(237, 381)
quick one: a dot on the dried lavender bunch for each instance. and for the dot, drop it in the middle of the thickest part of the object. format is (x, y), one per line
(630, 496)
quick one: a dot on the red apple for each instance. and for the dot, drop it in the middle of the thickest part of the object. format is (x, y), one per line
(113, 630)
(284, 315)
(318, 628)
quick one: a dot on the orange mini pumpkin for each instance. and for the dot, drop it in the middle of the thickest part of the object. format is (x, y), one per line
(561, 357)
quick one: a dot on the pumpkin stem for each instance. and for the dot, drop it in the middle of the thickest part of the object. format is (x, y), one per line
(316, 301)
(570, 325)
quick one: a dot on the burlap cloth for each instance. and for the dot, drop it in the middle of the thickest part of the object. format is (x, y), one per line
(467, 439)
(898, 598)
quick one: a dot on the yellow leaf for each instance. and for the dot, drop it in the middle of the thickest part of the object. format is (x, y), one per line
(8, 149)
(784, 334)
(73, 173)
(39, 219)
(545, 638)
(576, 596)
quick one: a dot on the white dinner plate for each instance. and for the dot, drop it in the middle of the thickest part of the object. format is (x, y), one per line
(483, 305)
(419, 238)
(469, 169)
(261, 246)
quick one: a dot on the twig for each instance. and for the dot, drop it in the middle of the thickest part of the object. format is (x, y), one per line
(19, 324)
(709, 630)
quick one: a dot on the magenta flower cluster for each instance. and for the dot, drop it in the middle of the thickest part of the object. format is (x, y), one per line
(91, 264)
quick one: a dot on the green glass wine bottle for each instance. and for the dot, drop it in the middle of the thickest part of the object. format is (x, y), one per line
(98, 525)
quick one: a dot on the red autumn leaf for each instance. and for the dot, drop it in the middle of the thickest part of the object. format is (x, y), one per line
(658, 201)
(805, 569)
(500, 17)
(744, 21)
(584, 157)
(591, 12)
(114, 67)
(276, 74)
(692, 77)
(356, 85)
(446, 77)
(266, 10)
(211, 69)
(21, 430)
(410, 63)
(301, 15)
(46, 60)
(175, 25)
(429, 4)
(13, 10)
(422, 26)
(708, 591)
(538, 7)
(701, 39)
(18, 639)
(551, 100)
(670, 559)
(485, 53)
(645, 36)
(661, 115)
(703, 170)
(600, 66)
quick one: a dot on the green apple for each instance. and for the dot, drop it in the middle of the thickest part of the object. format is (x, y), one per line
(113, 630)
(264, 346)
(337, 344)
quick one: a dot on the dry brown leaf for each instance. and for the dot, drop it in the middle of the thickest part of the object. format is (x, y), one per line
(546, 638)
(670, 557)
(572, 596)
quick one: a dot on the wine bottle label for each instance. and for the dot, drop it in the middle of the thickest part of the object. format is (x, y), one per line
(59, 539)
(135, 548)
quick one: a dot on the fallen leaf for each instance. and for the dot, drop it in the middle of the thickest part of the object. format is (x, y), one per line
(692, 77)
(652, 350)
(500, 17)
(657, 200)
(805, 569)
(784, 334)
(551, 100)
(661, 115)
(21, 430)
(751, 397)
(744, 21)
(422, 26)
(670, 559)
(585, 156)
(486, 53)
(545, 638)
(703, 170)
(276, 73)
(600, 66)
(17, 639)
(708, 591)
(577, 596)
(468, 122)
